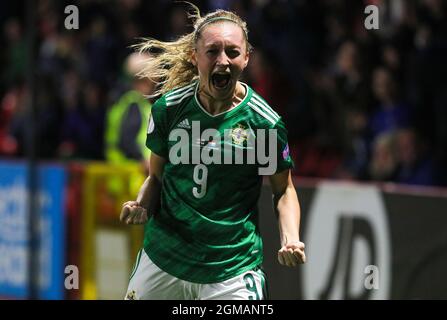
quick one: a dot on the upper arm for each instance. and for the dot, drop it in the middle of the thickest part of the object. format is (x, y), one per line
(280, 181)
(157, 130)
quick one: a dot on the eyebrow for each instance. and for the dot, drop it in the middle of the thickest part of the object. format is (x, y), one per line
(229, 46)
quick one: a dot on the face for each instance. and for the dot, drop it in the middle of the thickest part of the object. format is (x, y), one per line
(406, 146)
(220, 56)
(382, 84)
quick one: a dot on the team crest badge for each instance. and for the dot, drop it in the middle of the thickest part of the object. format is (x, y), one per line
(239, 135)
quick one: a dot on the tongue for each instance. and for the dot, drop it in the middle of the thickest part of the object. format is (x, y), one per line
(220, 81)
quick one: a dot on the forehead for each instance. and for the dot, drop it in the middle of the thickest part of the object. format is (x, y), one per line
(222, 31)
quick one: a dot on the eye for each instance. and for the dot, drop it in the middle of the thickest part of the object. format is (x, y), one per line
(212, 51)
(232, 53)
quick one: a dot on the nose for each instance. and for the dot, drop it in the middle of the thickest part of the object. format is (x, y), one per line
(222, 59)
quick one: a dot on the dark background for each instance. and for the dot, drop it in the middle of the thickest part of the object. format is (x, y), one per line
(359, 104)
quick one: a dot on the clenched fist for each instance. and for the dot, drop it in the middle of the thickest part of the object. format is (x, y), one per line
(292, 254)
(133, 213)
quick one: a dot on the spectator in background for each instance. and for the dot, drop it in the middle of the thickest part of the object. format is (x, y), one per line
(415, 163)
(391, 113)
(99, 50)
(83, 126)
(350, 85)
(15, 52)
(260, 75)
(9, 107)
(47, 119)
(356, 158)
(70, 92)
(346, 94)
(127, 119)
(391, 60)
(49, 60)
(383, 163)
(178, 23)
(267, 80)
(350, 98)
(339, 109)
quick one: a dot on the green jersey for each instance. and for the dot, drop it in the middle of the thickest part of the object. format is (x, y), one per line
(207, 228)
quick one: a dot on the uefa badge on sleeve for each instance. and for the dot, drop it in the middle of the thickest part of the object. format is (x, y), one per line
(285, 152)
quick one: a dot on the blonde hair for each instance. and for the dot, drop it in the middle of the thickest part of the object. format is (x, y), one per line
(170, 64)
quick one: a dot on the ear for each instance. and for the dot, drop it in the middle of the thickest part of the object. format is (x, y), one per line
(194, 58)
(247, 58)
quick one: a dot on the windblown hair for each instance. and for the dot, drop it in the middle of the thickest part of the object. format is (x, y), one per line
(170, 64)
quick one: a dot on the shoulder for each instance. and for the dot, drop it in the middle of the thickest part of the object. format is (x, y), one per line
(165, 108)
(262, 110)
(174, 97)
(180, 94)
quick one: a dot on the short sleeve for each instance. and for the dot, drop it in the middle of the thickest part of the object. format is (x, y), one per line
(284, 159)
(157, 132)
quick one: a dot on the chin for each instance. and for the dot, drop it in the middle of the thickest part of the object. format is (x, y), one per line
(222, 94)
(226, 92)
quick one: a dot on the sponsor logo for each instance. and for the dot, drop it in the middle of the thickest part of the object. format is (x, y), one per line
(184, 124)
(347, 232)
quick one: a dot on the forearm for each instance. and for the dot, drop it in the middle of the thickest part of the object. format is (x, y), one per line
(288, 211)
(149, 194)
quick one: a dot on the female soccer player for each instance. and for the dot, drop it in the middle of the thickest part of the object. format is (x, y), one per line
(199, 202)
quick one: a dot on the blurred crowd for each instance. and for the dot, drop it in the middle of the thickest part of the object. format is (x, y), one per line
(359, 104)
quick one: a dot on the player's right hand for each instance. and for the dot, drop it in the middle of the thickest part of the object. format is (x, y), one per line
(133, 213)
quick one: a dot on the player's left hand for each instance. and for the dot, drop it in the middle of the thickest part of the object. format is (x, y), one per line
(292, 254)
(133, 213)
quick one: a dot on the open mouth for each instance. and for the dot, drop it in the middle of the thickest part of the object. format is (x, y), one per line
(221, 80)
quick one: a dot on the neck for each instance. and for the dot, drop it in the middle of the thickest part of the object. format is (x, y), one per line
(215, 106)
